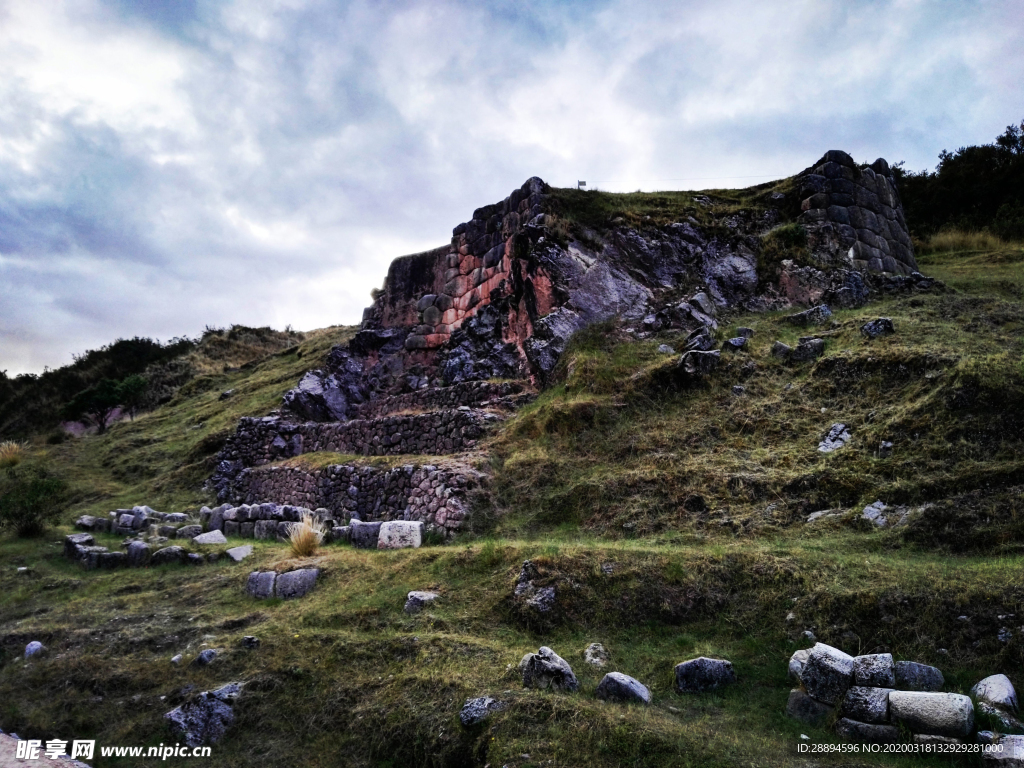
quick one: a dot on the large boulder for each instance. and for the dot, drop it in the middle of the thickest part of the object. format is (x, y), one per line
(205, 718)
(616, 686)
(996, 690)
(941, 714)
(546, 669)
(703, 674)
(827, 674)
(911, 676)
(400, 534)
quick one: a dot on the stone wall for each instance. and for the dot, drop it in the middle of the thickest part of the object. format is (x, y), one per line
(262, 440)
(435, 495)
(856, 213)
(468, 393)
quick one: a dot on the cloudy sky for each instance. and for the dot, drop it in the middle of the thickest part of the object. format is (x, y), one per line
(171, 164)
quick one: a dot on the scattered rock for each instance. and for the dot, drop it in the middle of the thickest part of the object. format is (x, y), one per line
(1011, 754)
(881, 327)
(818, 315)
(807, 349)
(911, 676)
(35, 648)
(168, 555)
(529, 594)
(746, 333)
(876, 669)
(238, 554)
(210, 537)
(296, 583)
(476, 711)
(735, 344)
(139, 554)
(884, 449)
(866, 704)
(1007, 722)
(797, 662)
(176, 659)
(928, 738)
(697, 364)
(827, 674)
(596, 655)
(996, 690)
(867, 732)
(805, 709)
(75, 540)
(400, 534)
(205, 657)
(616, 686)
(546, 669)
(838, 436)
(194, 558)
(665, 349)
(781, 351)
(873, 513)
(261, 584)
(703, 674)
(738, 390)
(189, 531)
(417, 601)
(942, 714)
(250, 642)
(364, 535)
(206, 718)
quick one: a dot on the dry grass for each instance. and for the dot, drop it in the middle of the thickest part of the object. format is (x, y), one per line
(306, 536)
(959, 240)
(11, 453)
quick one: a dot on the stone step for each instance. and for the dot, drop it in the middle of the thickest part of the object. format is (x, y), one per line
(494, 395)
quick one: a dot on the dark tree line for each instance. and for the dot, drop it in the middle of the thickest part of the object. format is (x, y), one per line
(31, 403)
(974, 188)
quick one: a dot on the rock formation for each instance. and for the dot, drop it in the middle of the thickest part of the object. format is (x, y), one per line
(502, 299)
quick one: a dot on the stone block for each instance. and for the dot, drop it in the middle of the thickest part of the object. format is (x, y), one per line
(365, 535)
(827, 674)
(247, 529)
(261, 584)
(941, 714)
(295, 583)
(211, 537)
(139, 554)
(189, 531)
(805, 709)
(238, 554)
(400, 534)
(75, 540)
(911, 676)
(866, 704)
(168, 555)
(867, 733)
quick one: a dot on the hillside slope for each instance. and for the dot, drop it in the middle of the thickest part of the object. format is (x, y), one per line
(675, 516)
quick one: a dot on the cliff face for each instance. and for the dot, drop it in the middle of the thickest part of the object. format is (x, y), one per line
(518, 279)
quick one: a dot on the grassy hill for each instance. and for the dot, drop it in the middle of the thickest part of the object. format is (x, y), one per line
(673, 521)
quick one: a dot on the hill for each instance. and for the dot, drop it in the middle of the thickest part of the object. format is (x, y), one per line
(670, 513)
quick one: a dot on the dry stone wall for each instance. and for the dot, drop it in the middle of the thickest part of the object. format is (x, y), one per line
(469, 393)
(856, 213)
(435, 495)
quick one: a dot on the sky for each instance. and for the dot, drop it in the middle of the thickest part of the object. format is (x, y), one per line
(172, 165)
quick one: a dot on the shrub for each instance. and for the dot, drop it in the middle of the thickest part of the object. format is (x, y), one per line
(306, 536)
(11, 454)
(30, 500)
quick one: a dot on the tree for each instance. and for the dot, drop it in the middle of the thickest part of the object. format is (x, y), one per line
(131, 392)
(96, 403)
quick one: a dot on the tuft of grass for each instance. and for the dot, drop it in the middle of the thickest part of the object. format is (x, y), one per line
(11, 453)
(961, 241)
(306, 536)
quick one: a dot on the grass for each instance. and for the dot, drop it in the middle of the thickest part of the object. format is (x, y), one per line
(11, 454)
(669, 518)
(306, 536)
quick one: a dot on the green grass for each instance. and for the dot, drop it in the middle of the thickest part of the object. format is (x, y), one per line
(694, 496)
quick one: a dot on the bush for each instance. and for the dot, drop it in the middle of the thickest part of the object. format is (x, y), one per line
(30, 499)
(306, 536)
